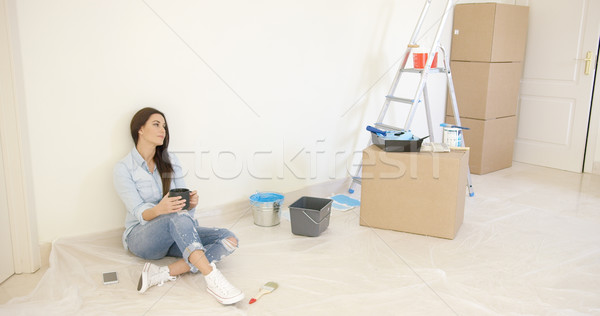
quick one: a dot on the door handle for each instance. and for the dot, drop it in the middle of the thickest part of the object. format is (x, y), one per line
(588, 62)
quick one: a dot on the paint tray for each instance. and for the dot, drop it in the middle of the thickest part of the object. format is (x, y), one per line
(395, 145)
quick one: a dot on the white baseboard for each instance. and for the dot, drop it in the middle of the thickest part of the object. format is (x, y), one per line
(45, 249)
(596, 168)
(332, 186)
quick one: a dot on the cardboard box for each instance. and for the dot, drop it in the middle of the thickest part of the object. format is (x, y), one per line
(485, 90)
(421, 192)
(489, 32)
(491, 142)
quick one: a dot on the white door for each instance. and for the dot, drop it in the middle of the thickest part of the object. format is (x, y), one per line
(556, 94)
(7, 267)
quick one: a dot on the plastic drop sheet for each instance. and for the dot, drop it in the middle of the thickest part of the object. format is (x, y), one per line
(530, 244)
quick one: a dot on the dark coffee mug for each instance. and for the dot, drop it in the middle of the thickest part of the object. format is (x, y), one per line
(184, 193)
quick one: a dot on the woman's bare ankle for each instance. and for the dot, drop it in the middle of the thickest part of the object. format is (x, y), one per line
(199, 260)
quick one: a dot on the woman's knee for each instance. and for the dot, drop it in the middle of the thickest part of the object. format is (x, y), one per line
(233, 241)
(182, 219)
(230, 244)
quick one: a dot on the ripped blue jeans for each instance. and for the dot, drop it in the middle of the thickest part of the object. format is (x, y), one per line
(178, 235)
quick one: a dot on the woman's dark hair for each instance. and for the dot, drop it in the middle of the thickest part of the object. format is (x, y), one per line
(161, 156)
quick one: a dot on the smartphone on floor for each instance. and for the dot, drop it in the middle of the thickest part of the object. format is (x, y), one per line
(110, 277)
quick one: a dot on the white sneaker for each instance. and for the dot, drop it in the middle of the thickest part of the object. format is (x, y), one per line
(221, 289)
(153, 275)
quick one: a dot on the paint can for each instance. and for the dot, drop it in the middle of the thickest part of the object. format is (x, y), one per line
(420, 60)
(453, 137)
(265, 208)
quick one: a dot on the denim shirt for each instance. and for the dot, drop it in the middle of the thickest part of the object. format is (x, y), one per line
(141, 189)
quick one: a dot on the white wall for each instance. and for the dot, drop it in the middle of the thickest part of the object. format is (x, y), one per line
(282, 78)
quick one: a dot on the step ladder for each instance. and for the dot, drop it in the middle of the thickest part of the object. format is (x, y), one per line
(421, 93)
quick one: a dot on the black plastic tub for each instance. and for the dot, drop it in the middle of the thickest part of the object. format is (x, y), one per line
(394, 145)
(310, 216)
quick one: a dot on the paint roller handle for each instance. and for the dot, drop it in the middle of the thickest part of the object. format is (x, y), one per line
(453, 126)
(375, 130)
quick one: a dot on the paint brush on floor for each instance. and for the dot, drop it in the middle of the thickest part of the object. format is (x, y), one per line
(265, 289)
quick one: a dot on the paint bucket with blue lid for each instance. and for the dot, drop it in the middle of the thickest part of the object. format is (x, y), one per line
(266, 208)
(453, 135)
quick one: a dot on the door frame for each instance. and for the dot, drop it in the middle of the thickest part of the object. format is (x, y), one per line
(15, 149)
(593, 123)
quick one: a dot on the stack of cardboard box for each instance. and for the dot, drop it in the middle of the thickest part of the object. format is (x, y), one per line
(488, 48)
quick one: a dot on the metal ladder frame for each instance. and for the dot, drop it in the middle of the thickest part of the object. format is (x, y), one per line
(421, 91)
